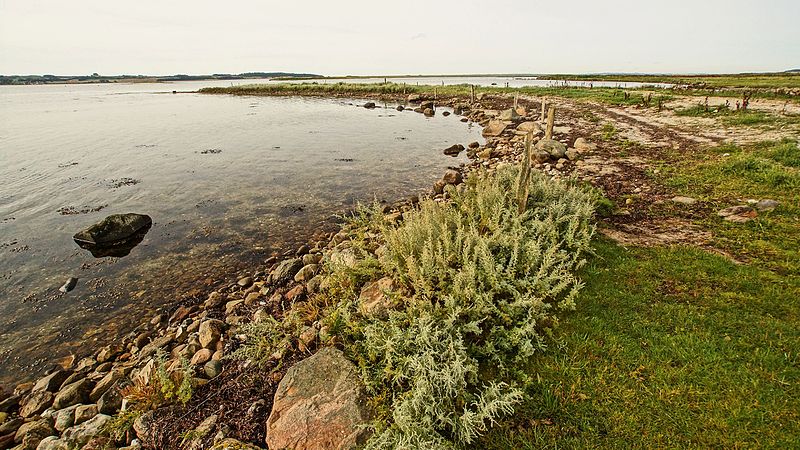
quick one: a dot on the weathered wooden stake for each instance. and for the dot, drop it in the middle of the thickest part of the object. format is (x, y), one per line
(524, 180)
(516, 99)
(544, 102)
(551, 115)
(472, 93)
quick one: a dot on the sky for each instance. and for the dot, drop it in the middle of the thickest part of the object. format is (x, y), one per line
(403, 37)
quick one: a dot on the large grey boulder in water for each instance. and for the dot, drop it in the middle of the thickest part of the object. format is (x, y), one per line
(122, 231)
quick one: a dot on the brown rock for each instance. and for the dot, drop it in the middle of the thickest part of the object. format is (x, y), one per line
(201, 357)
(494, 128)
(36, 403)
(210, 332)
(53, 381)
(320, 404)
(376, 298)
(452, 177)
(74, 393)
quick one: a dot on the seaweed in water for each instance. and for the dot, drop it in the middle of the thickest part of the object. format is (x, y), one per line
(119, 182)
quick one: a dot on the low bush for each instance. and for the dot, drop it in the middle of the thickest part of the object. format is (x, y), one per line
(479, 287)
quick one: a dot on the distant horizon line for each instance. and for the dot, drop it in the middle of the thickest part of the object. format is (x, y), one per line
(452, 75)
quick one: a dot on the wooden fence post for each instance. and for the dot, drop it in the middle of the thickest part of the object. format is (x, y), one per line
(551, 115)
(544, 103)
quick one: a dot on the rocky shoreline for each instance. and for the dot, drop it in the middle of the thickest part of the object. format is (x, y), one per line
(232, 405)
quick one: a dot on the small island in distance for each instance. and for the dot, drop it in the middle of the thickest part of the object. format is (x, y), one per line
(97, 78)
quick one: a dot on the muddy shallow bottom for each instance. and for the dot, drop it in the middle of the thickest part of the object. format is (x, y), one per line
(228, 181)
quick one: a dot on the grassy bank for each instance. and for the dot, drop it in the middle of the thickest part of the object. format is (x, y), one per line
(678, 347)
(669, 348)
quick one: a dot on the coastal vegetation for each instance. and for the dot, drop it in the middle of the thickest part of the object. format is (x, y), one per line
(474, 290)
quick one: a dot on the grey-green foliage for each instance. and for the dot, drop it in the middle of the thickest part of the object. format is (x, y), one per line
(484, 283)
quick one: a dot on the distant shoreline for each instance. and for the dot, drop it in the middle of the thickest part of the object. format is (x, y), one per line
(98, 79)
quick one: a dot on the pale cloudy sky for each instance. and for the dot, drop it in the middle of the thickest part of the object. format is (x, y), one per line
(401, 37)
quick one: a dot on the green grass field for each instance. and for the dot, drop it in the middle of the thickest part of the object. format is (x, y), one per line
(678, 347)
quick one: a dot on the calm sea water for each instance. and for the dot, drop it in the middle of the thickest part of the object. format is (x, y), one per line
(228, 181)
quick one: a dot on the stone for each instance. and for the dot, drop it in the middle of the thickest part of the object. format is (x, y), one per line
(68, 285)
(529, 127)
(252, 298)
(105, 383)
(452, 177)
(313, 284)
(110, 402)
(494, 128)
(508, 114)
(446, 113)
(428, 112)
(214, 300)
(369, 105)
(376, 298)
(65, 418)
(582, 145)
(204, 429)
(400, 107)
(143, 426)
(84, 413)
(552, 147)
(683, 200)
(210, 332)
(79, 435)
(9, 403)
(312, 258)
(233, 306)
(52, 382)
(114, 229)
(319, 404)
(454, 150)
(52, 443)
(74, 393)
(180, 314)
(286, 270)
(201, 357)
(11, 426)
(485, 153)
(474, 145)
(306, 273)
(414, 98)
(31, 433)
(306, 338)
(766, 205)
(738, 214)
(572, 154)
(212, 368)
(36, 403)
(295, 293)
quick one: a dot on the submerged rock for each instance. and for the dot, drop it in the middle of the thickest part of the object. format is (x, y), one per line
(115, 235)
(454, 150)
(69, 285)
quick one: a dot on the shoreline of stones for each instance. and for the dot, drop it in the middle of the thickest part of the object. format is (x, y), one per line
(70, 407)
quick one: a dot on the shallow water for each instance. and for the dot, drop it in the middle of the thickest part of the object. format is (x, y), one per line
(228, 181)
